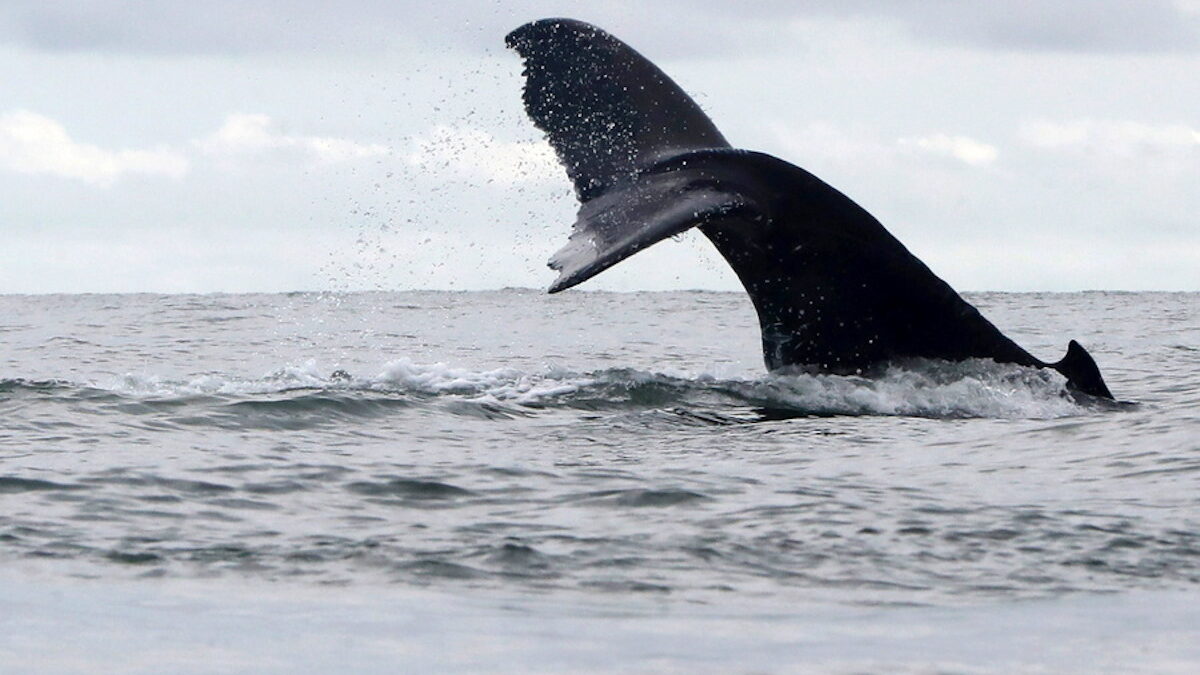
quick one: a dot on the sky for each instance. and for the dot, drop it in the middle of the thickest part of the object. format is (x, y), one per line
(228, 146)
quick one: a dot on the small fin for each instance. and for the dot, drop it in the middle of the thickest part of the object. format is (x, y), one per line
(606, 109)
(1081, 372)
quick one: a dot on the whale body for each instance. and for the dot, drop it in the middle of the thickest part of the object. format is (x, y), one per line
(834, 291)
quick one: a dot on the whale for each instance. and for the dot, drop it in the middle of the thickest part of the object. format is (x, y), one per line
(834, 291)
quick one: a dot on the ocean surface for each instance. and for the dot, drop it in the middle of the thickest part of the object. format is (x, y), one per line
(588, 482)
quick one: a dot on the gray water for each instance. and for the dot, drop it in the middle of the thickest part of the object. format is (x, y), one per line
(585, 448)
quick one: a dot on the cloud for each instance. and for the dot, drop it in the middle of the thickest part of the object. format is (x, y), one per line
(1124, 138)
(244, 135)
(864, 147)
(696, 27)
(217, 27)
(1111, 26)
(35, 144)
(234, 27)
(474, 152)
(967, 150)
(821, 141)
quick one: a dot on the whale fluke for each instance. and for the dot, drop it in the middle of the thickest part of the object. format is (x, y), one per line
(606, 109)
(833, 289)
(621, 222)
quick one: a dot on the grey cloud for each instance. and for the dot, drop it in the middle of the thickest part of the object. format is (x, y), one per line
(1051, 25)
(215, 27)
(235, 28)
(1059, 25)
(711, 27)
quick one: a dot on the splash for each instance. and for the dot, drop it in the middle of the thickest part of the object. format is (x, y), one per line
(920, 388)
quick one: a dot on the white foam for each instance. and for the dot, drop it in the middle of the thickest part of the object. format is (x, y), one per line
(305, 375)
(969, 389)
(501, 384)
(932, 389)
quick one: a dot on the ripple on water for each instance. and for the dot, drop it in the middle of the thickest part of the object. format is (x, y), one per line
(14, 484)
(659, 459)
(407, 488)
(637, 498)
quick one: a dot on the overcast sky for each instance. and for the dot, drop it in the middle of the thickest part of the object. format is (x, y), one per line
(305, 145)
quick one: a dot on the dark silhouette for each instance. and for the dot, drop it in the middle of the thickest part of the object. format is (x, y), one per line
(834, 290)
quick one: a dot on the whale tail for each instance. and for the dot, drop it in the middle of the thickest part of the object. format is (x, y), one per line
(605, 108)
(610, 114)
(831, 286)
(1081, 371)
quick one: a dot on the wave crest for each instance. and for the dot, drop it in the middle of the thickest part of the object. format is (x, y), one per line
(923, 388)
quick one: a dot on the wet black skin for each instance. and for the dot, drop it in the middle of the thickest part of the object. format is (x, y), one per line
(834, 290)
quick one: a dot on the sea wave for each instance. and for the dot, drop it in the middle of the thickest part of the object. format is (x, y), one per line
(975, 388)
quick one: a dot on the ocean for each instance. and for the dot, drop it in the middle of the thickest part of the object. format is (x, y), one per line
(508, 481)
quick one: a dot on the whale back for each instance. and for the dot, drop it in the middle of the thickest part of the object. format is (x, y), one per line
(605, 109)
